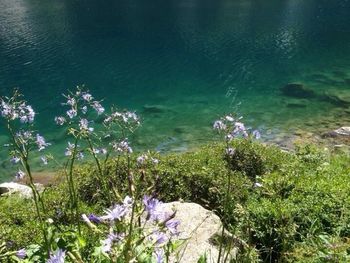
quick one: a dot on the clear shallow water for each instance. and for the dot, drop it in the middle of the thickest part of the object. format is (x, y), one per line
(194, 59)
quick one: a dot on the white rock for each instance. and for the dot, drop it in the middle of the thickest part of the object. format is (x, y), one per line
(343, 131)
(198, 229)
(11, 188)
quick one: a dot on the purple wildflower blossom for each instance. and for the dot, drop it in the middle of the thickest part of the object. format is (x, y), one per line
(98, 107)
(108, 242)
(20, 174)
(57, 257)
(8, 111)
(219, 125)
(72, 113)
(40, 141)
(159, 254)
(21, 254)
(60, 120)
(26, 113)
(152, 208)
(159, 238)
(84, 125)
(14, 159)
(123, 146)
(172, 226)
(80, 156)
(69, 149)
(117, 213)
(141, 159)
(71, 101)
(86, 96)
(93, 218)
(256, 134)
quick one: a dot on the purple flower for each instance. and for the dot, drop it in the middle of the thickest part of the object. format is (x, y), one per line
(172, 226)
(159, 253)
(21, 254)
(141, 159)
(71, 113)
(71, 101)
(80, 156)
(40, 141)
(152, 207)
(14, 159)
(86, 96)
(57, 257)
(60, 120)
(69, 149)
(26, 113)
(256, 134)
(84, 125)
(8, 111)
(20, 174)
(108, 242)
(94, 218)
(97, 107)
(117, 213)
(219, 125)
(159, 238)
(123, 146)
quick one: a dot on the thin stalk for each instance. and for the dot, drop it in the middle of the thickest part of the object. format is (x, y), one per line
(101, 177)
(36, 195)
(75, 205)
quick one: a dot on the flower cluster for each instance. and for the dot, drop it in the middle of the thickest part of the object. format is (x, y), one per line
(24, 139)
(122, 117)
(122, 147)
(234, 128)
(79, 102)
(155, 234)
(11, 109)
(144, 158)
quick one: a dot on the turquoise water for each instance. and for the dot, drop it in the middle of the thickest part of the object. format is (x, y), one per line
(191, 60)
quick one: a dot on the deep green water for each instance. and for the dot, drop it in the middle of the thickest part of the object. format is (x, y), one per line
(194, 59)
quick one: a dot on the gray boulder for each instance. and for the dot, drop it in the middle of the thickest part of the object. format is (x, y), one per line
(341, 132)
(12, 188)
(200, 230)
(23, 191)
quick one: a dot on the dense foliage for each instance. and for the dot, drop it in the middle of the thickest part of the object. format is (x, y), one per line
(295, 210)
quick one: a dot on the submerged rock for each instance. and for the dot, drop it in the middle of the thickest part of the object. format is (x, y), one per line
(339, 98)
(297, 90)
(155, 109)
(199, 229)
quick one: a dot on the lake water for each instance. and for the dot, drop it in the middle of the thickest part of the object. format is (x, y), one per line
(180, 63)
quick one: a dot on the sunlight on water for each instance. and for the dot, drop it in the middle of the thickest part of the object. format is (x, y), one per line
(181, 64)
